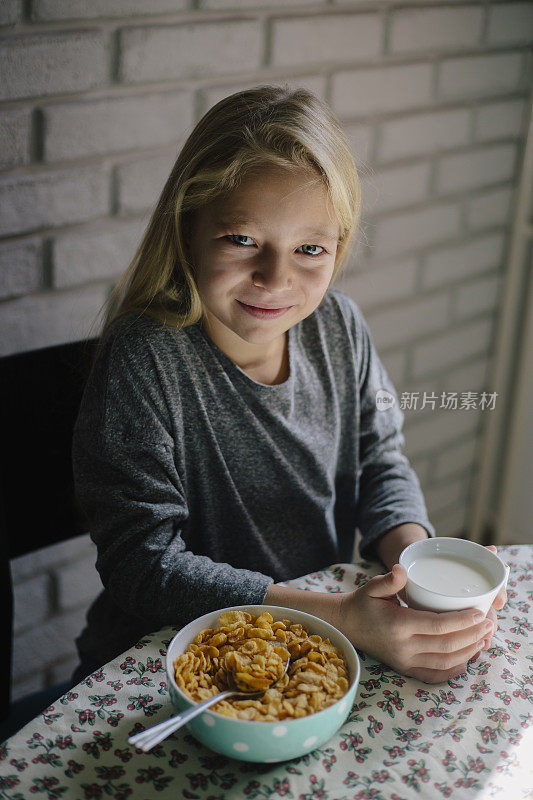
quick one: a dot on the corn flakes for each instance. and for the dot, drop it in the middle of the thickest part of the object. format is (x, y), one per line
(243, 653)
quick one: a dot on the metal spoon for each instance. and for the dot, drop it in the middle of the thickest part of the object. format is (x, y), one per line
(149, 738)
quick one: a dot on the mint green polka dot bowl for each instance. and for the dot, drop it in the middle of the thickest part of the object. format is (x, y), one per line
(265, 742)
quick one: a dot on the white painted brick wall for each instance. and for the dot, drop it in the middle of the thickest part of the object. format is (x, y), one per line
(20, 267)
(330, 38)
(405, 322)
(191, 50)
(15, 138)
(435, 29)
(489, 209)
(97, 98)
(53, 197)
(136, 122)
(475, 169)
(75, 61)
(44, 10)
(418, 134)
(52, 590)
(97, 253)
(472, 76)
(139, 182)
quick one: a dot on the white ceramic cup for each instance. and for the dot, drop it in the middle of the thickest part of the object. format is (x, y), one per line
(424, 597)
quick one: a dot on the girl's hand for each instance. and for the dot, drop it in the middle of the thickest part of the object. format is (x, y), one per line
(432, 647)
(498, 603)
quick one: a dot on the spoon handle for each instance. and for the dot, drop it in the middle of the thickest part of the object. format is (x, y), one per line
(146, 740)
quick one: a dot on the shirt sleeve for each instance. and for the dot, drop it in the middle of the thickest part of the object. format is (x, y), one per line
(128, 485)
(389, 489)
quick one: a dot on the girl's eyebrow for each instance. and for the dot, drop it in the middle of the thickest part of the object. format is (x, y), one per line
(313, 230)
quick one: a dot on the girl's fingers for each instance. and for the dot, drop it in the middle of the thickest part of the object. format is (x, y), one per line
(448, 661)
(437, 675)
(431, 623)
(500, 599)
(491, 615)
(456, 641)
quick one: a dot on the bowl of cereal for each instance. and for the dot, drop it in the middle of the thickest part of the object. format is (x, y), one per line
(301, 712)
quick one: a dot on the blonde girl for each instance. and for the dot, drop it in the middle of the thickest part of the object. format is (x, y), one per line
(228, 438)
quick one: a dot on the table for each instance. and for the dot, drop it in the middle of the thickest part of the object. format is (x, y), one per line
(403, 739)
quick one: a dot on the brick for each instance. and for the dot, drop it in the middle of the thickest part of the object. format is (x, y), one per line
(360, 138)
(140, 182)
(20, 267)
(330, 38)
(395, 187)
(450, 348)
(416, 229)
(395, 364)
(476, 168)
(103, 251)
(500, 120)
(476, 75)
(415, 30)
(421, 469)
(360, 253)
(10, 11)
(357, 93)
(477, 297)
(15, 137)
(77, 584)
(470, 377)
(381, 285)
(489, 209)
(510, 23)
(257, 4)
(421, 134)
(438, 429)
(43, 10)
(191, 50)
(42, 320)
(402, 323)
(48, 558)
(444, 496)
(77, 130)
(47, 644)
(50, 63)
(53, 198)
(452, 522)
(31, 602)
(458, 458)
(449, 264)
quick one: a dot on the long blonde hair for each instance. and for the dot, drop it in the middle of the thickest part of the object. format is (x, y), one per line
(265, 125)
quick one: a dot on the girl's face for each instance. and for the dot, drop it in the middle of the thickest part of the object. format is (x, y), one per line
(270, 244)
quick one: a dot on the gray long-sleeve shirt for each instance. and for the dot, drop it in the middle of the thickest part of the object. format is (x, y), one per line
(204, 486)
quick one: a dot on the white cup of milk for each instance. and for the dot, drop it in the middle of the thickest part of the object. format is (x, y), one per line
(448, 574)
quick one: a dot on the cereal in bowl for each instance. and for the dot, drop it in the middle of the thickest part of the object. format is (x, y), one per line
(242, 652)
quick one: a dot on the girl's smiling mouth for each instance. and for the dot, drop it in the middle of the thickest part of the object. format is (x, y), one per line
(263, 313)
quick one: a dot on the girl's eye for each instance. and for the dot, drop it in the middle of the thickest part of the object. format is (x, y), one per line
(232, 236)
(314, 245)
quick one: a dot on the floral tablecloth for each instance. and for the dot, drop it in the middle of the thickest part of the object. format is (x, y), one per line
(469, 738)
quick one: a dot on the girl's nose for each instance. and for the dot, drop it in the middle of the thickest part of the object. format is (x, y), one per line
(273, 274)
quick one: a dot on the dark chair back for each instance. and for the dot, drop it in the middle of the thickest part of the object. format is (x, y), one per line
(40, 394)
